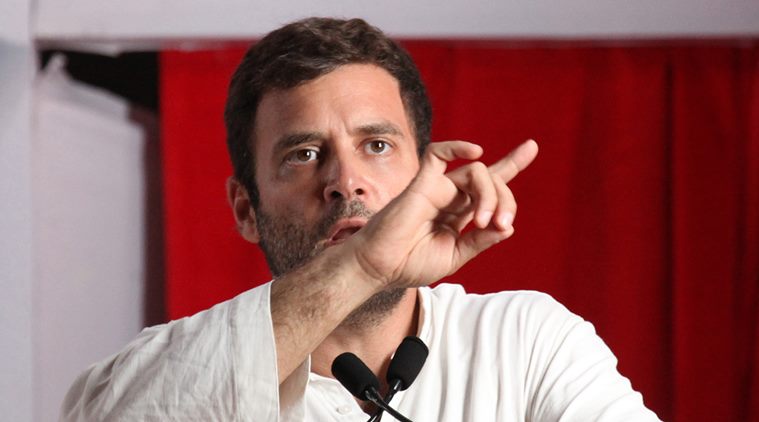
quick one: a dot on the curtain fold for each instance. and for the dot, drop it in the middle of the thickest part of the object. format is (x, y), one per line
(641, 213)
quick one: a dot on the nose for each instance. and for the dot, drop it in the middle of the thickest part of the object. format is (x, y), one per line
(344, 178)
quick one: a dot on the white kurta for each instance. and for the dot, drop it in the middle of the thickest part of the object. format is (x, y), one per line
(510, 356)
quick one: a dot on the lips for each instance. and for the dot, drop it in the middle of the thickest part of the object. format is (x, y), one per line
(344, 229)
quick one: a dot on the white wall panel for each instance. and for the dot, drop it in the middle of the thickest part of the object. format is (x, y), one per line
(16, 274)
(14, 21)
(171, 19)
(17, 68)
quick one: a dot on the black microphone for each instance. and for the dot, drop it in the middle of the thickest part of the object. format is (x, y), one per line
(406, 364)
(404, 368)
(361, 382)
(354, 375)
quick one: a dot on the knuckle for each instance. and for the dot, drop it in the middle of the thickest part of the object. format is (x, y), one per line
(479, 173)
(479, 167)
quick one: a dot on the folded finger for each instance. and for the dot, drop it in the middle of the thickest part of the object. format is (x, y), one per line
(477, 192)
(473, 242)
(507, 205)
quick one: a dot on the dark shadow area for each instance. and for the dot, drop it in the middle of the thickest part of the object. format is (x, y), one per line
(133, 76)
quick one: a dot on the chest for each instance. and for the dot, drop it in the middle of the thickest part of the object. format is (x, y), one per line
(458, 390)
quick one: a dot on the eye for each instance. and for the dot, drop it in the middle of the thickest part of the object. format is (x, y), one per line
(377, 147)
(303, 155)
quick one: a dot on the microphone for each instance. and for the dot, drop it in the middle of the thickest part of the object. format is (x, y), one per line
(361, 382)
(404, 367)
(354, 375)
(406, 364)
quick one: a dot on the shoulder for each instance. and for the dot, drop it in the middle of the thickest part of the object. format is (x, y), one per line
(518, 317)
(196, 361)
(452, 298)
(232, 314)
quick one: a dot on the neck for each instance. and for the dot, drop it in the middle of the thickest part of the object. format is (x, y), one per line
(373, 343)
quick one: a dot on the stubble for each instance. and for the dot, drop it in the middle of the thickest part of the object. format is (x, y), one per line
(289, 244)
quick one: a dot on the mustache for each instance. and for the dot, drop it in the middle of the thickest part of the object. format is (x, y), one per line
(340, 210)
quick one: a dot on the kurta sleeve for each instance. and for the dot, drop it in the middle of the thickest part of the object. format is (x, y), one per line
(219, 364)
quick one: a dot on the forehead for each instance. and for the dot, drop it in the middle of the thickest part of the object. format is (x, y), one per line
(350, 96)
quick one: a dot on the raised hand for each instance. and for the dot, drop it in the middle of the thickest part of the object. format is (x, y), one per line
(420, 236)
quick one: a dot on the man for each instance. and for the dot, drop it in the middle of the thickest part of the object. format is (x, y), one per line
(328, 129)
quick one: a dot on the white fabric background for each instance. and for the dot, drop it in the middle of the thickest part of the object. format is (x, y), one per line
(16, 74)
(89, 233)
(72, 232)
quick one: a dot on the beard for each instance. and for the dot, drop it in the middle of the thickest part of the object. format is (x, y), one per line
(289, 244)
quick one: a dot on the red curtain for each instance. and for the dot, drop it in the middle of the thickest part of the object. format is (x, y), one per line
(641, 213)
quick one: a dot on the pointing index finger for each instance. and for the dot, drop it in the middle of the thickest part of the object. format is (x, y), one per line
(517, 160)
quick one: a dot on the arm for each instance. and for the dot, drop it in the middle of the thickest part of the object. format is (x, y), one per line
(414, 241)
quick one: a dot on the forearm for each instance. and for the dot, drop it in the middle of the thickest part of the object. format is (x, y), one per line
(308, 303)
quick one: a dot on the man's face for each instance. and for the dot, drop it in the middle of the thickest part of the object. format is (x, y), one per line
(329, 154)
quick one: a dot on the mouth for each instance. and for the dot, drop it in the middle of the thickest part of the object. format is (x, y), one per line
(344, 229)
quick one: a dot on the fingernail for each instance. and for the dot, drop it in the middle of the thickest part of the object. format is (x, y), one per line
(506, 220)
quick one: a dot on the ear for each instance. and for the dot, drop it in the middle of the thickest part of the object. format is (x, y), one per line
(242, 209)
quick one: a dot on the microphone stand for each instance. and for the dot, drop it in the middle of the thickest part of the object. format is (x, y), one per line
(373, 396)
(394, 388)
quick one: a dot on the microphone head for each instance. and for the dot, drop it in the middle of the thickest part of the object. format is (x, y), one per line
(407, 362)
(354, 375)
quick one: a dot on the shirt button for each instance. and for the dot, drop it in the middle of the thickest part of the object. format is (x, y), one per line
(344, 410)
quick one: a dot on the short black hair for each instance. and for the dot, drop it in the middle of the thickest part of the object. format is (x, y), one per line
(300, 52)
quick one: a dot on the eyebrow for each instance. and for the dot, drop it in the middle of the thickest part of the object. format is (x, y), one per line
(294, 139)
(380, 128)
(372, 129)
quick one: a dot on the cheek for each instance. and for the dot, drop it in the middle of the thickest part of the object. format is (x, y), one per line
(297, 197)
(396, 178)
